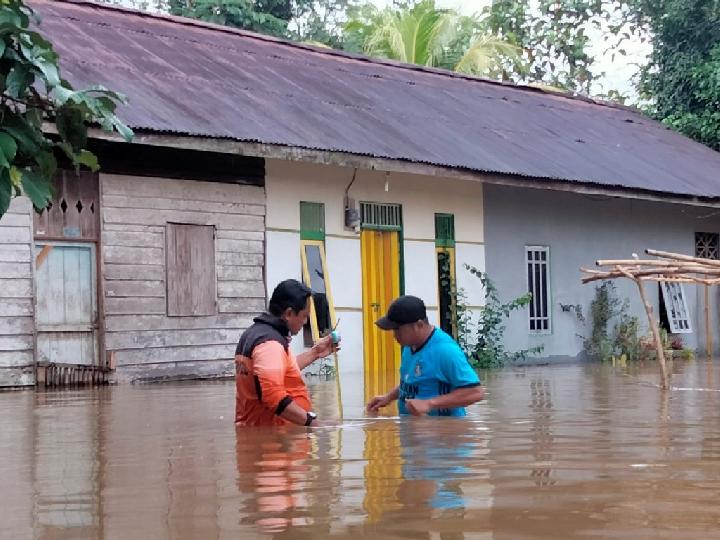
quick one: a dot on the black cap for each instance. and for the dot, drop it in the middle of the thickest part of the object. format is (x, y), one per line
(404, 310)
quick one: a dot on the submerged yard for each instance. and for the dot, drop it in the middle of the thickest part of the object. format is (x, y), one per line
(575, 451)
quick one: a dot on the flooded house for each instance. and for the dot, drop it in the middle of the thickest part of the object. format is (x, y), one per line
(257, 160)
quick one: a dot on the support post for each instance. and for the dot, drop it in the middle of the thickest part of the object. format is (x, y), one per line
(708, 327)
(656, 334)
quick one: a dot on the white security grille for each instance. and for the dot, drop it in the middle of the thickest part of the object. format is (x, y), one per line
(676, 307)
(537, 261)
(381, 216)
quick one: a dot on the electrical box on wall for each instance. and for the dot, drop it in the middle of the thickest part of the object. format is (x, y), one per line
(352, 216)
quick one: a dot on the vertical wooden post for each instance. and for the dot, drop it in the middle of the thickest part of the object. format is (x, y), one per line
(708, 327)
(656, 334)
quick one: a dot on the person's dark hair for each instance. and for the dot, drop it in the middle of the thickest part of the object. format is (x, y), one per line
(289, 294)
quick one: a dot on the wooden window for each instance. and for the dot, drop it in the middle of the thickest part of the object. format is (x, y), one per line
(707, 245)
(315, 275)
(676, 309)
(312, 221)
(73, 213)
(314, 271)
(191, 283)
(538, 278)
(445, 253)
(444, 230)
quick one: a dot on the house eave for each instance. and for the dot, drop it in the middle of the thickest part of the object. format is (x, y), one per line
(350, 160)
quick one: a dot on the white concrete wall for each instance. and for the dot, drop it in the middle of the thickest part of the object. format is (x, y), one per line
(421, 197)
(579, 229)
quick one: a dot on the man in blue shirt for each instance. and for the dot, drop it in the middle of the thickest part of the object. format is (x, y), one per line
(435, 376)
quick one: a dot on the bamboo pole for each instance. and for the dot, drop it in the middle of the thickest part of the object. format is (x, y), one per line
(685, 267)
(669, 267)
(678, 278)
(656, 334)
(338, 386)
(633, 262)
(680, 257)
(621, 273)
(708, 330)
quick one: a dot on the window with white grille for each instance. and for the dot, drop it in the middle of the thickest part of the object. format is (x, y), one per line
(537, 259)
(676, 307)
(382, 216)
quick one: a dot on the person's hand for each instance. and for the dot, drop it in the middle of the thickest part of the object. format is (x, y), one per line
(377, 403)
(418, 407)
(324, 347)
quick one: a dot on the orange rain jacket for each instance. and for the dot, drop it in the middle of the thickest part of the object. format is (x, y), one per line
(267, 376)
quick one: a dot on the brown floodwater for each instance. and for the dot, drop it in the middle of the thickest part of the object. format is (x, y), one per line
(556, 452)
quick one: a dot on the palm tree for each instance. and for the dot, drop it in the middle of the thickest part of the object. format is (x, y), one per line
(433, 37)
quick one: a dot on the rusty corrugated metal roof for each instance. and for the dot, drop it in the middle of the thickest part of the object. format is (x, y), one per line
(186, 77)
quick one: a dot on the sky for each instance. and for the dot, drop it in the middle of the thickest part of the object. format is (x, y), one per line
(618, 73)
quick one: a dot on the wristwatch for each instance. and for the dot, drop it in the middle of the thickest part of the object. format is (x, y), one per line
(310, 417)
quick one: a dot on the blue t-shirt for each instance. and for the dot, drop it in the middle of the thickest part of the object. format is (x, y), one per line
(435, 369)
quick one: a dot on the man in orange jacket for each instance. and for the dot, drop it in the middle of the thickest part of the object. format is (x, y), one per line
(270, 388)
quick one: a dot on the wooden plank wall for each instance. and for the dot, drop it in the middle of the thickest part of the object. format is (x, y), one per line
(144, 342)
(17, 328)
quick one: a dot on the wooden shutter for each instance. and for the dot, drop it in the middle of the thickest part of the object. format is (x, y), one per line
(444, 230)
(191, 283)
(312, 221)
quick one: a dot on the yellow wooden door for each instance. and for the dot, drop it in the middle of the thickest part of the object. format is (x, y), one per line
(381, 285)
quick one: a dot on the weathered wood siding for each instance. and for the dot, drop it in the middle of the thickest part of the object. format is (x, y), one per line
(146, 343)
(17, 328)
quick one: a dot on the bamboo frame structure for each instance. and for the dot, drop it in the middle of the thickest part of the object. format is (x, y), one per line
(666, 266)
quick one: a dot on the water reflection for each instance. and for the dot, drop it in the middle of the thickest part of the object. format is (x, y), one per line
(542, 431)
(415, 476)
(274, 466)
(66, 477)
(555, 452)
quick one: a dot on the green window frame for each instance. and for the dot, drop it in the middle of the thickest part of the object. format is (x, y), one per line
(312, 221)
(444, 230)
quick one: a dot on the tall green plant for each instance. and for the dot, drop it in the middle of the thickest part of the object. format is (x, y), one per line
(481, 336)
(426, 35)
(623, 339)
(34, 96)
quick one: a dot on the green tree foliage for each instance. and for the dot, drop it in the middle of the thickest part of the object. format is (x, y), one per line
(312, 21)
(266, 16)
(34, 95)
(553, 36)
(320, 22)
(426, 35)
(680, 84)
(682, 79)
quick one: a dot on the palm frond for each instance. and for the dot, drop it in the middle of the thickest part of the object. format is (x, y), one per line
(487, 54)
